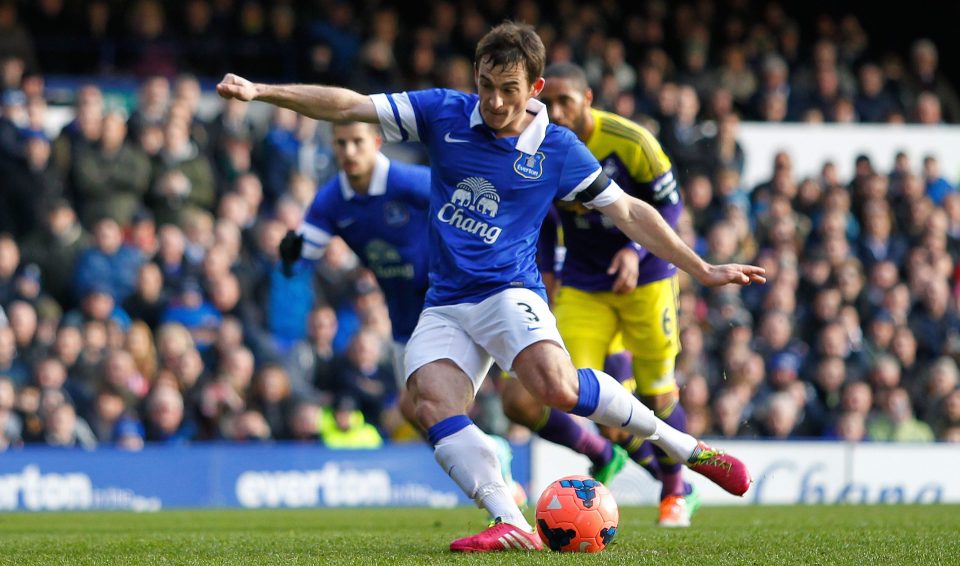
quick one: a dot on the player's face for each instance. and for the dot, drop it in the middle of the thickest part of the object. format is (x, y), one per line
(567, 104)
(504, 93)
(356, 147)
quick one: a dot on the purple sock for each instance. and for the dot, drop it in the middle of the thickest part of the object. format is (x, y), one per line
(619, 366)
(671, 472)
(561, 429)
(641, 452)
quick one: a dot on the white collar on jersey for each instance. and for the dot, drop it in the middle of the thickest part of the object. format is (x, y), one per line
(530, 138)
(378, 180)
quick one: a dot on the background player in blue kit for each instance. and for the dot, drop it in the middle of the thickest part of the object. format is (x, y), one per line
(379, 208)
(496, 166)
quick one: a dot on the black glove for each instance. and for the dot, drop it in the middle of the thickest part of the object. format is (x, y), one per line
(290, 248)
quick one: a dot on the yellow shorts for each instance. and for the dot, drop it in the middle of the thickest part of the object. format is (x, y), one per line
(590, 322)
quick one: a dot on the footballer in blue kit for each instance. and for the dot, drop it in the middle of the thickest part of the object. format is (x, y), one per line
(486, 190)
(496, 165)
(379, 211)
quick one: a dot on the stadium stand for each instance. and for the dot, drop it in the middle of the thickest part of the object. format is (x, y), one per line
(140, 286)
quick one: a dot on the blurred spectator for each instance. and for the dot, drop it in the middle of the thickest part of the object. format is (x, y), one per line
(108, 408)
(17, 43)
(250, 425)
(364, 377)
(142, 350)
(937, 187)
(928, 110)
(682, 135)
(184, 176)
(108, 260)
(128, 434)
(273, 399)
(932, 321)
(12, 365)
(165, 419)
(173, 342)
(234, 122)
(723, 150)
(948, 417)
(311, 362)
(279, 152)
(287, 300)
(29, 288)
(824, 60)
(735, 75)
(9, 262)
(99, 305)
(304, 422)
(774, 85)
(54, 247)
(30, 185)
(148, 301)
(877, 241)
(780, 416)
(344, 427)
(11, 426)
(110, 179)
(190, 308)
(175, 268)
(153, 100)
(896, 421)
(941, 380)
(63, 428)
(925, 76)
(13, 117)
(23, 322)
(873, 103)
(852, 427)
(121, 373)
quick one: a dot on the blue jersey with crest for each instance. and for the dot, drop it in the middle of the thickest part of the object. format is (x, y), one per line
(385, 228)
(489, 195)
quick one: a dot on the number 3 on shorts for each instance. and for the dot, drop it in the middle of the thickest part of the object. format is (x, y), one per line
(531, 316)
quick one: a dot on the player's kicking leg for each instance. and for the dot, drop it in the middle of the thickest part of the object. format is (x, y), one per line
(606, 458)
(678, 498)
(545, 370)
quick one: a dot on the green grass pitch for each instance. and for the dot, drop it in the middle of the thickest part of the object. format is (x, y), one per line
(900, 534)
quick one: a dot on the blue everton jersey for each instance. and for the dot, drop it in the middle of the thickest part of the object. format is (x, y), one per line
(489, 195)
(385, 228)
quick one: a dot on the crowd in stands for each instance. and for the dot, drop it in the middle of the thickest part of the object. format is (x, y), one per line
(142, 297)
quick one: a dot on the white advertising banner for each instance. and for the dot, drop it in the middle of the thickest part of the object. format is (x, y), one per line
(811, 145)
(787, 473)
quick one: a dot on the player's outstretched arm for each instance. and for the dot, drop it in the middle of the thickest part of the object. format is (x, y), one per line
(332, 104)
(644, 225)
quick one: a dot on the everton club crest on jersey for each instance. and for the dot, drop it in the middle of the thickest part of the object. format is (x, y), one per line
(395, 214)
(529, 166)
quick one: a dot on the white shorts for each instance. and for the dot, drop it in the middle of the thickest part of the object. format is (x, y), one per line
(473, 335)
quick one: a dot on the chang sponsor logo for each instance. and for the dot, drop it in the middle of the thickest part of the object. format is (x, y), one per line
(474, 194)
(810, 484)
(333, 486)
(386, 262)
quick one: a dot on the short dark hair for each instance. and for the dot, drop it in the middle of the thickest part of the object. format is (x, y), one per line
(512, 43)
(375, 129)
(568, 71)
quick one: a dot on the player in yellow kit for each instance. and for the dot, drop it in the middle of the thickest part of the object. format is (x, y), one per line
(610, 286)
